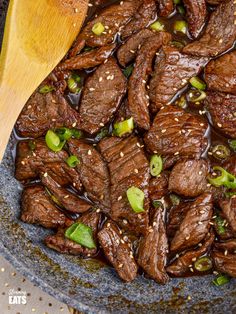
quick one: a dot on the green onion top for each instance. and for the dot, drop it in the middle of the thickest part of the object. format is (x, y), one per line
(46, 89)
(98, 28)
(156, 165)
(136, 199)
(73, 85)
(180, 26)
(72, 161)
(53, 141)
(128, 70)
(203, 264)
(81, 234)
(225, 179)
(157, 204)
(175, 199)
(196, 96)
(64, 133)
(123, 127)
(197, 83)
(32, 145)
(220, 151)
(232, 144)
(220, 225)
(157, 26)
(221, 280)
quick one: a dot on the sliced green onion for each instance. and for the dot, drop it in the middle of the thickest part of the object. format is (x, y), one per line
(221, 280)
(81, 234)
(197, 83)
(220, 225)
(175, 200)
(73, 85)
(181, 102)
(232, 144)
(128, 70)
(225, 179)
(76, 77)
(177, 1)
(136, 199)
(123, 127)
(103, 133)
(181, 9)
(87, 48)
(53, 141)
(64, 133)
(157, 204)
(98, 28)
(180, 26)
(196, 95)
(230, 194)
(46, 89)
(220, 152)
(157, 26)
(31, 145)
(72, 161)
(76, 133)
(156, 165)
(203, 263)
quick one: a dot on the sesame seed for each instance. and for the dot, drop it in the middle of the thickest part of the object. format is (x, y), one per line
(90, 4)
(66, 196)
(29, 107)
(225, 252)
(89, 152)
(163, 131)
(199, 244)
(199, 223)
(98, 210)
(191, 269)
(144, 81)
(136, 170)
(74, 124)
(200, 172)
(132, 51)
(121, 154)
(74, 24)
(125, 221)
(219, 125)
(189, 297)
(194, 259)
(122, 241)
(176, 119)
(210, 153)
(91, 89)
(121, 2)
(22, 162)
(187, 238)
(117, 241)
(150, 230)
(45, 174)
(139, 216)
(202, 211)
(120, 265)
(220, 41)
(119, 198)
(101, 124)
(76, 10)
(154, 224)
(177, 153)
(147, 97)
(2, 269)
(108, 225)
(100, 79)
(177, 255)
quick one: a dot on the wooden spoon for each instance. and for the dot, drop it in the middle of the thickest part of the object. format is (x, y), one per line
(38, 33)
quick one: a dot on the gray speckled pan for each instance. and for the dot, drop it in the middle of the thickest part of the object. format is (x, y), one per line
(89, 286)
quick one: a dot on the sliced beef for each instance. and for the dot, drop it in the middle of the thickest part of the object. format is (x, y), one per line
(228, 207)
(230, 165)
(219, 35)
(65, 198)
(138, 94)
(43, 112)
(228, 246)
(195, 225)
(118, 251)
(127, 52)
(166, 7)
(158, 186)
(93, 172)
(145, 14)
(196, 16)
(222, 108)
(87, 59)
(60, 243)
(113, 18)
(181, 266)
(128, 167)
(176, 133)
(173, 69)
(220, 74)
(225, 264)
(215, 2)
(102, 95)
(189, 177)
(33, 156)
(176, 216)
(37, 208)
(153, 248)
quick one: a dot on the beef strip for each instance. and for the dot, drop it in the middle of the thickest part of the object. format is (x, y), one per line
(229, 246)
(189, 177)
(137, 92)
(101, 96)
(181, 266)
(60, 243)
(195, 224)
(176, 133)
(173, 69)
(215, 2)
(43, 112)
(158, 186)
(228, 207)
(87, 59)
(145, 14)
(118, 251)
(166, 7)
(225, 264)
(196, 16)
(220, 74)
(222, 108)
(29, 161)
(127, 52)
(93, 172)
(65, 198)
(219, 35)
(153, 248)
(176, 216)
(230, 165)
(114, 18)
(128, 167)
(37, 208)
